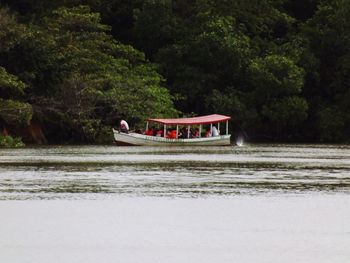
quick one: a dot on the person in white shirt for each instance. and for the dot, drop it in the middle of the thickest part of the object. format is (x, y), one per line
(214, 132)
(124, 126)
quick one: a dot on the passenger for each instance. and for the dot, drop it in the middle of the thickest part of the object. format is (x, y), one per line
(195, 133)
(159, 133)
(171, 134)
(149, 132)
(183, 133)
(124, 126)
(191, 133)
(215, 131)
(179, 135)
(208, 133)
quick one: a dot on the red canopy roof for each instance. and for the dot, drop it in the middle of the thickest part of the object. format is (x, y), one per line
(214, 118)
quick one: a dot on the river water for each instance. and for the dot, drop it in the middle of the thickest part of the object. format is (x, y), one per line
(256, 203)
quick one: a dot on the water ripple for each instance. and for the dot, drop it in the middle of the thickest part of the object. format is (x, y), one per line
(94, 172)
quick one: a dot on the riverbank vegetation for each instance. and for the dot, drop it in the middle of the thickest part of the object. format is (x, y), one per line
(7, 141)
(70, 69)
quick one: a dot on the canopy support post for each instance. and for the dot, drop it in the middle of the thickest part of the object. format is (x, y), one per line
(146, 126)
(219, 128)
(188, 131)
(227, 127)
(177, 131)
(200, 130)
(164, 131)
(211, 129)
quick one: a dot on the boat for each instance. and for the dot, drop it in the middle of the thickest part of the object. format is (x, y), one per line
(208, 121)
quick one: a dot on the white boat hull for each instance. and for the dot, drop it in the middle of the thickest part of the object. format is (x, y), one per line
(145, 140)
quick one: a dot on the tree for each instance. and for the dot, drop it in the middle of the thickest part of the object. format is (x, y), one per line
(79, 79)
(278, 81)
(212, 56)
(328, 33)
(99, 76)
(278, 67)
(14, 111)
(11, 32)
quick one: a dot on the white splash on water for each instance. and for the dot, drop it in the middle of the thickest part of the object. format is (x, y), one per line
(240, 141)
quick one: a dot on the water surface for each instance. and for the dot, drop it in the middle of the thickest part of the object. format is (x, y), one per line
(97, 172)
(257, 203)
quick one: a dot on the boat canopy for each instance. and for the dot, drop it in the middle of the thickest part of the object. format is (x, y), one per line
(208, 119)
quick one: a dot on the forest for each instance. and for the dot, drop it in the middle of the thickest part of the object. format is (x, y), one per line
(70, 69)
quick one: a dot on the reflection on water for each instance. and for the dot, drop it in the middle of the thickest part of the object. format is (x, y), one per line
(96, 172)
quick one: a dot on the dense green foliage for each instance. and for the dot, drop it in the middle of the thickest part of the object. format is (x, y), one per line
(10, 142)
(78, 76)
(280, 68)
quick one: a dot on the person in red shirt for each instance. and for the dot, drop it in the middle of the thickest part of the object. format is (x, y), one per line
(149, 132)
(171, 134)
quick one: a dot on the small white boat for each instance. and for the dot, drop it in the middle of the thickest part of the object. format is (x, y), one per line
(149, 140)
